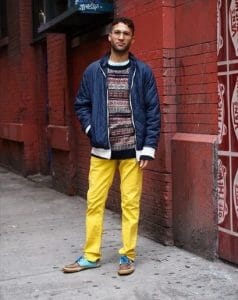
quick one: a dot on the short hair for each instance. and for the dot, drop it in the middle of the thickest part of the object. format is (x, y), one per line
(126, 21)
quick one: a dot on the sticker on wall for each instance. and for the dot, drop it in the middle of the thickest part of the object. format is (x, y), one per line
(233, 24)
(95, 6)
(235, 193)
(222, 191)
(222, 129)
(234, 109)
(219, 36)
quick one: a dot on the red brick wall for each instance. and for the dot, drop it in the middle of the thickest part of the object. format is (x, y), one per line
(194, 146)
(57, 78)
(154, 21)
(10, 76)
(182, 54)
(196, 69)
(60, 115)
(11, 109)
(41, 95)
(21, 90)
(156, 201)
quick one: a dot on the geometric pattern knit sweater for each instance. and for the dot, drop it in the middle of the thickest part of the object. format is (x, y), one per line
(121, 130)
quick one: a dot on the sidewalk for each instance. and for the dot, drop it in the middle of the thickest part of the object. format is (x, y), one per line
(41, 230)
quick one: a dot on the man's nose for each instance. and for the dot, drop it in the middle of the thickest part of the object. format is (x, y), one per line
(121, 35)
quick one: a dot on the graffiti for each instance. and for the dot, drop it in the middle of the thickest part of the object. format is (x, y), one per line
(219, 36)
(222, 191)
(234, 109)
(233, 24)
(222, 129)
(87, 2)
(88, 5)
(235, 193)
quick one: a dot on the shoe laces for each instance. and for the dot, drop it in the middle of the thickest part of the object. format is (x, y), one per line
(124, 260)
(79, 258)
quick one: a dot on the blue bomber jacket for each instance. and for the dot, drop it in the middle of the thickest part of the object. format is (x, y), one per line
(92, 110)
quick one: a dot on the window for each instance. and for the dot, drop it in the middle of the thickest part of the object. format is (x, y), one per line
(52, 9)
(3, 18)
(46, 10)
(69, 15)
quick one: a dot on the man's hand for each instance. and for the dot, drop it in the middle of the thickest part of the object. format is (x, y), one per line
(143, 164)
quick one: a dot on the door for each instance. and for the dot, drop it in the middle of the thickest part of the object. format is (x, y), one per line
(227, 51)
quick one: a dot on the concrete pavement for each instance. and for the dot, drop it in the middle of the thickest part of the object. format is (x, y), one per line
(41, 230)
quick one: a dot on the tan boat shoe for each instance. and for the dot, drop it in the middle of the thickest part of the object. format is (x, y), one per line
(80, 264)
(126, 266)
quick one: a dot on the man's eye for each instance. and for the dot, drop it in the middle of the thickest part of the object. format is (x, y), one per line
(119, 33)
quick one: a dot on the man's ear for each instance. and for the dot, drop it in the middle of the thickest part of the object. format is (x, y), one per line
(109, 37)
(133, 40)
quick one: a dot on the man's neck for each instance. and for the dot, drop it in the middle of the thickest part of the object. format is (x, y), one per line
(115, 57)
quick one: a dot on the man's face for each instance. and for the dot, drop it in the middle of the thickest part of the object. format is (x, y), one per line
(121, 38)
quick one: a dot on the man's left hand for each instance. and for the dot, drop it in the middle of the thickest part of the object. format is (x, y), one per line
(143, 164)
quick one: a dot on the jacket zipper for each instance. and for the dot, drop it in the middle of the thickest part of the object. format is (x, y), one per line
(108, 131)
(132, 116)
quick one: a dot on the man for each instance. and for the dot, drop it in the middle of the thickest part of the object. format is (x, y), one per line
(118, 107)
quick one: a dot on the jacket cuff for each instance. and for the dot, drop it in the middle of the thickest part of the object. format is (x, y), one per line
(148, 151)
(146, 157)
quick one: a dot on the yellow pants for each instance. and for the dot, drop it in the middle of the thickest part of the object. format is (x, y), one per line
(101, 176)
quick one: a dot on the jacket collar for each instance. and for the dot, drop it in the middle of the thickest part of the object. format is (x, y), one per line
(104, 60)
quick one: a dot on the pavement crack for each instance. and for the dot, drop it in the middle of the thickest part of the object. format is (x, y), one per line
(26, 276)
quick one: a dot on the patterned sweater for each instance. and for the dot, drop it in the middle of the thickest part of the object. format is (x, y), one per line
(121, 130)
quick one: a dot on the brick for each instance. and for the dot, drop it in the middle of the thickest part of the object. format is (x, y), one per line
(196, 24)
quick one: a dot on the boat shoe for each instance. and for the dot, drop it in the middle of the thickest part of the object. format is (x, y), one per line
(80, 264)
(126, 265)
